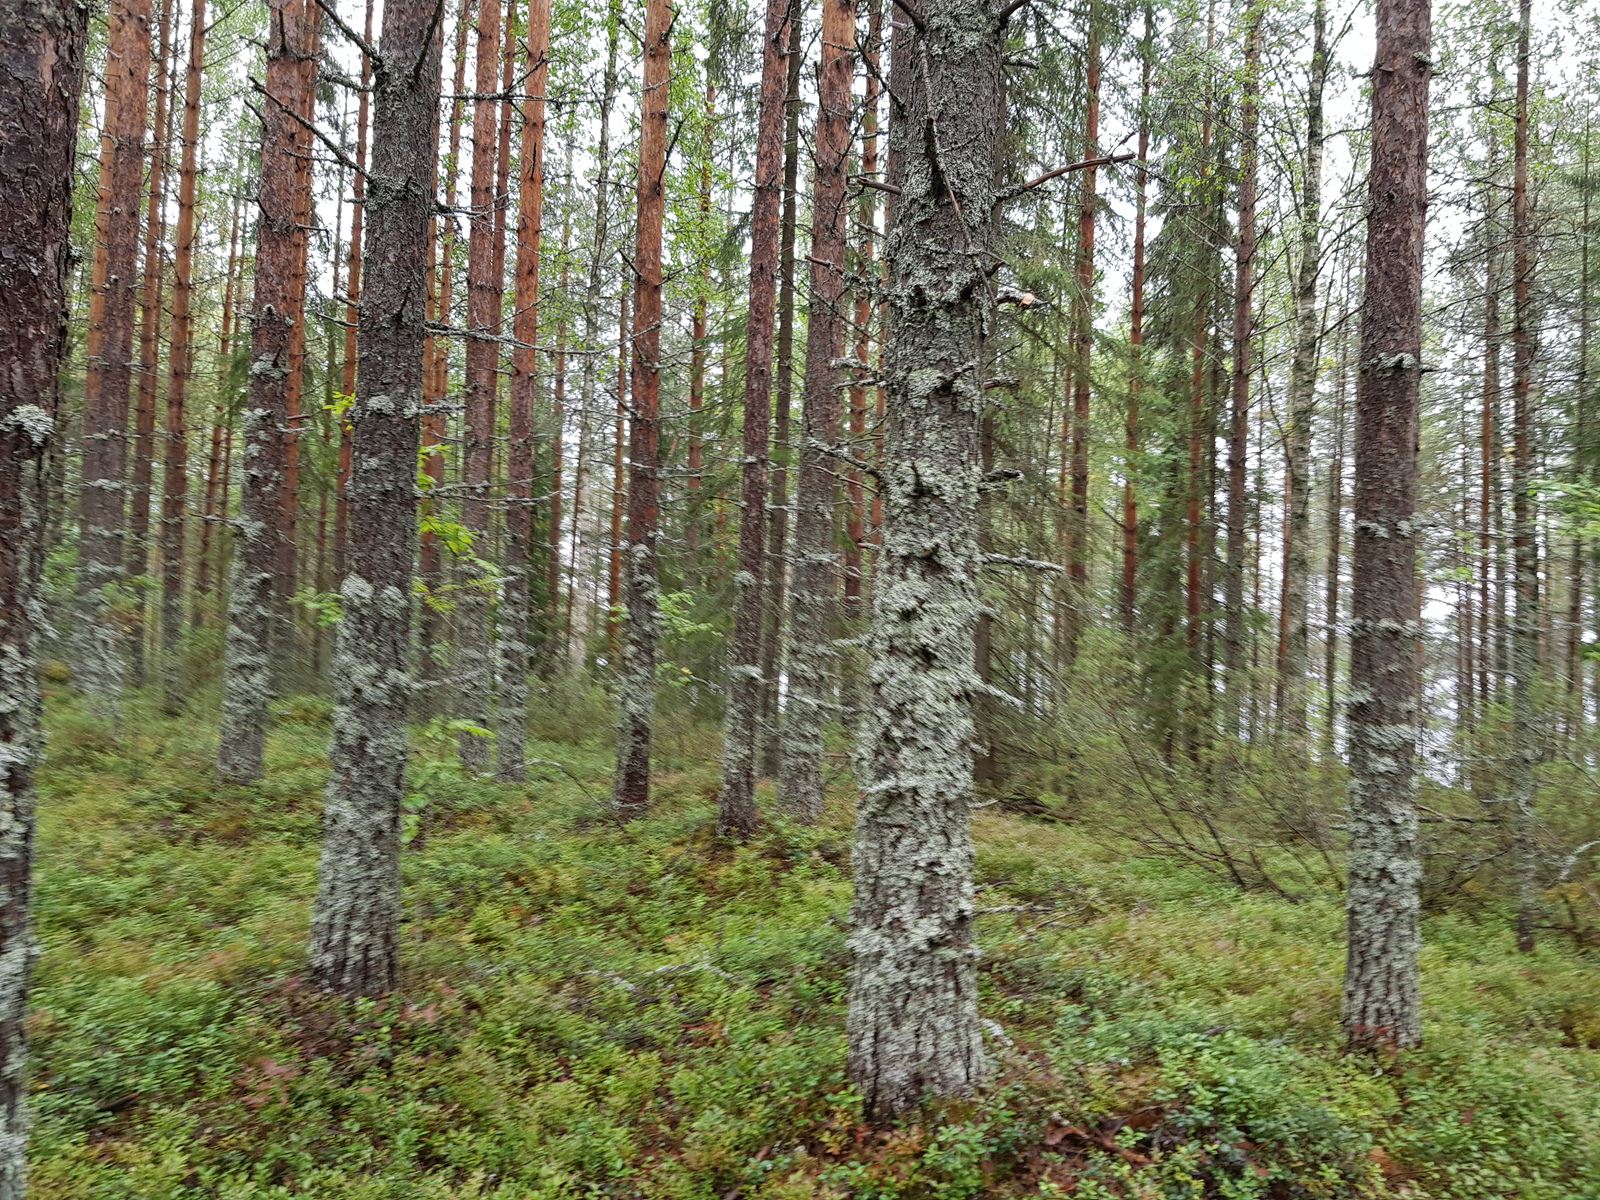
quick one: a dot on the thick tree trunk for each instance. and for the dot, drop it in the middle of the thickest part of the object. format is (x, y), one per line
(777, 572)
(100, 649)
(736, 811)
(175, 461)
(42, 48)
(1239, 409)
(813, 606)
(1303, 399)
(636, 684)
(1525, 550)
(253, 625)
(473, 664)
(355, 921)
(512, 714)
(1381, 1008)
(913, 1020)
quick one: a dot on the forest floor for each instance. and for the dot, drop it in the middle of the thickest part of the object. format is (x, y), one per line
(599, 1011)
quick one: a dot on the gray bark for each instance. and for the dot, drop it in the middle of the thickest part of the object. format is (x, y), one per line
(913, 1020)
(355, 922)
(1303, 397)
(41, 78)
(1381, 1007)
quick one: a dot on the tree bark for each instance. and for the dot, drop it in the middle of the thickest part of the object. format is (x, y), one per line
(813, 607)
(355, 922)
(352, 311)
(736, 811)
(473, 664)
(1303, 398)
(1524, 545)
(1381, 1009)
(636, 685)
(1130, 503)
(1239, 409)
(100, 649)
(175, 460)
(1083, 348)
(913, 1021)
(777, 573)
(216, 494)
(42, 47)
(253, 624)
(512, 715)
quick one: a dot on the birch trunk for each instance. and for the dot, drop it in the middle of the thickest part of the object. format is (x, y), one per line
(42, 49)
(1381, 1007)
(913, 1020)
(355, 921)
(1303, 397)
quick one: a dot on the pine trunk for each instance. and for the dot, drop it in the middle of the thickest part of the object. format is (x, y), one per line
(42, 46)
(813, 607)
(512, 714)
(100, 649)
(175, 460)
(1082, 349)
(636, 684)
(1130, 503)
(354, 946)
(1380, 1008)
(913, 1020)
(253, 625)
(736, 811)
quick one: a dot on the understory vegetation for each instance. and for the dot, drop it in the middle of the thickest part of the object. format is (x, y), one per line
(591, 1009)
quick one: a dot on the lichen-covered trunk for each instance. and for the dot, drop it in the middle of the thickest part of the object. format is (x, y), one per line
(42, 47)
(1239, 410)
(913, 1020)
(736, 808)
(511, 715)
(175, 459)
(473, 667)
(100, 650)
(813, 599)
(355, 921)
(252, 616)
(1381, 1008)
(636, 683)
(1303, 400)
(1524, 542)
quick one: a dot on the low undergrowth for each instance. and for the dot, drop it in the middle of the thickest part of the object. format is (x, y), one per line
(600, 1011)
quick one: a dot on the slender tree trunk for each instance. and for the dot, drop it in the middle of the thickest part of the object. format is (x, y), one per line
(913, 1019)
(736, 812)
(1303, 398)
(560, 625)
(216, 494)
(813, 608)
(42, 46)
(1585, 454)
(1330, 646)
(472, 667)
(777, 573)
(1198, 422)
(1130, 504)
(175, 464)
(100, 649)
(1525, 549)
(636, 685)
(512, 714)
(1239, 411)
(355, 922)
(352, 313)
(1082, 348)
(619, 430)
(1488, 455)
(1381, 1009)
(151, 296)
(253, 625)
(694, 503)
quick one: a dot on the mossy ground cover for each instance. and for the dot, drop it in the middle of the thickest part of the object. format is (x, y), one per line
(600, 1011)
